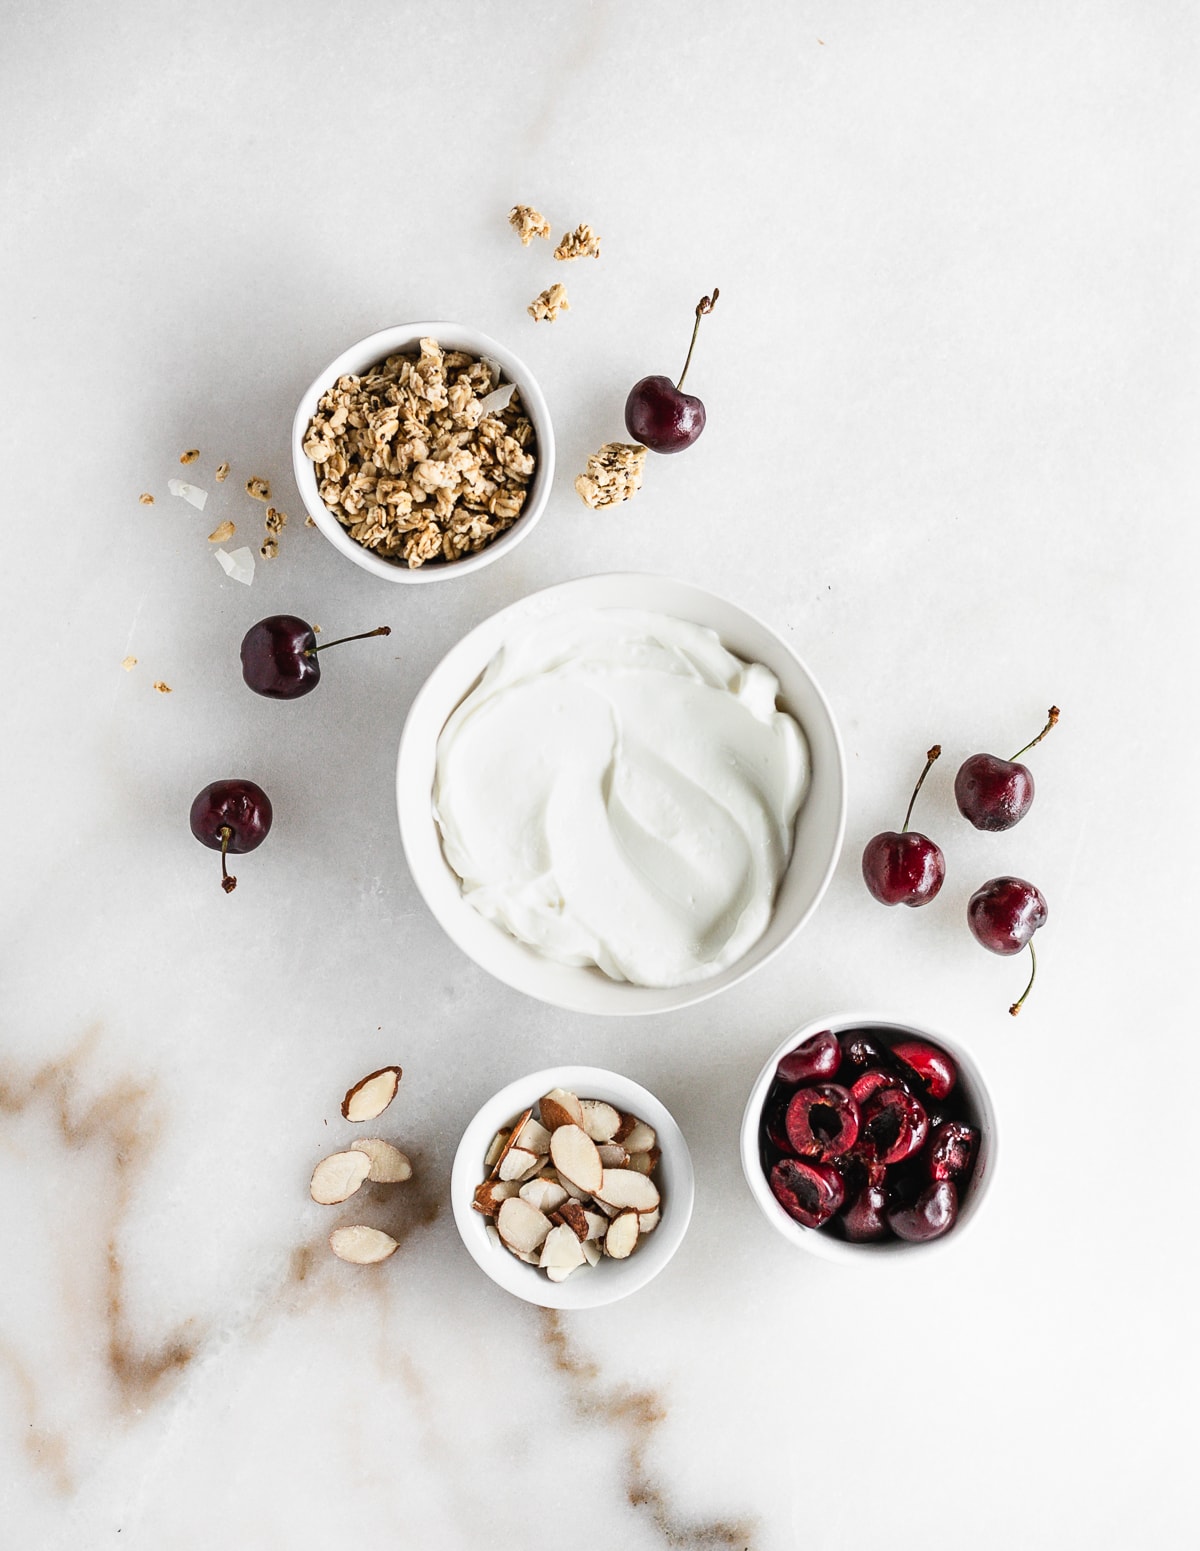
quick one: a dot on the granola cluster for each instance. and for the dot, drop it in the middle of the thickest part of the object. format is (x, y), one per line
(528, 223)
(583, 242)
(424, 457)
(612, 475)
(545, 307)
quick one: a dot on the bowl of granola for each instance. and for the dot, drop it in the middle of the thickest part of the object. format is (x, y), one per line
(424, 451)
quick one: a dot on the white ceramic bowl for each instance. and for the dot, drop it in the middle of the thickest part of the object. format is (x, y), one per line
(819, 826)
(824, 1244)
(590, 1286)
(376, 347)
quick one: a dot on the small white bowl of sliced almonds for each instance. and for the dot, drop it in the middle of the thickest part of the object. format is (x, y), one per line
(572, 1187)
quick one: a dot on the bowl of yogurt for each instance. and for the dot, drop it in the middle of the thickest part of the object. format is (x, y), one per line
(622, 794)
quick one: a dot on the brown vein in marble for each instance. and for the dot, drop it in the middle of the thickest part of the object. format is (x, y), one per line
(47, 1450)
(636, 1412)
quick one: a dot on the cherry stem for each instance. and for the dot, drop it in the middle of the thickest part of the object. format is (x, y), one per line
(1016, 1006)
(704, 305)
(228, 881)
(311, 651)
(1052, 714)
(934, 753)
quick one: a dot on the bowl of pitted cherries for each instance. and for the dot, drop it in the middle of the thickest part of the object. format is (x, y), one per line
(868, 1137)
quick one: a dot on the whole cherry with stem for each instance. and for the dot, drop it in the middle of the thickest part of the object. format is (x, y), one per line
(1003, 916)
(658, 413)
(993, 793)
(905, 867)
(231, 816)
(279, 655)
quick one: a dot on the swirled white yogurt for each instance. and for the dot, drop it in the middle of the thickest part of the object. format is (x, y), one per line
(620, 790)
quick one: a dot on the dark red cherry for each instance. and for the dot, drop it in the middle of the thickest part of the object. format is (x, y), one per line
(894, 1126)
(818, 1056)
(658, 413)
(932, 1065)
(279, 656)
(865, 1219)
(994, 793)
(871, 1081)
(231, 816)
(808, 1192)
(903, 867)
(952, 1151)
(934, 1212)
(822, 1121)
(1003, 916)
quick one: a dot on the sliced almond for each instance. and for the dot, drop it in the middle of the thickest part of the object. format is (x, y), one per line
(562, 1253)
(622, 1236)
(389, 1166)
(626, 1187)
(626, 1126)
(521, 1227)
(597, 1224)
(600, 1120)
(497, 1147)
(648, 1221)
(493, 1234)
(641, 1139)
(560, 1108)
(575, 1218)
(592, 1252)
(337, 1177)
(517, 1163)
(370, 1097)
(612, 1155)
(645, 1162)
(512, 1138)
(575, 1157)
(530, 1257)
(546, 1195)
(492, 1194)
(534, 1137)
(362, 1246)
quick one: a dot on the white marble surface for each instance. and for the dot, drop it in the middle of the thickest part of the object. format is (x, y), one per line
(952, 394)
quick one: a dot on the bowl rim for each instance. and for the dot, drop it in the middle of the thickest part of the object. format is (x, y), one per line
(455, 674)
(376, 346)
(622, 1277)
(825, 1245)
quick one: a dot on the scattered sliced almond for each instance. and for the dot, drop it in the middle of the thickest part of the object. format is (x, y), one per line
(622, 1236)
(389, 1166)
(522, 1227)
(369, 1098)
(518, 1163)
(491, 1195)
(545, 1195)
(640, 1139)
(625, 1187)
(560, 1108)
(612, 1155)
(575, 1158)
(224, 530)
(337, 1177)
(600, 1120)
(362, 1246)
(534, 1137)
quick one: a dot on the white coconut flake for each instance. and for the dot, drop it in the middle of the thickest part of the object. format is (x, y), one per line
(494, 367)
(239, 565)
(497, 400)
(192, 493)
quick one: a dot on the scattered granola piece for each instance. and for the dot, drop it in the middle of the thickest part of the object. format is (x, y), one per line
(260, 489)
(190, 493)
(190, 456)
(163, 689)
(309, 523)
(222, 474)
(129, 663)
(546, 307)
(583, 242)
(275, 523)
(612, 475)
(221, 532)
(268, 549)
(146, 498)
(528, 223)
